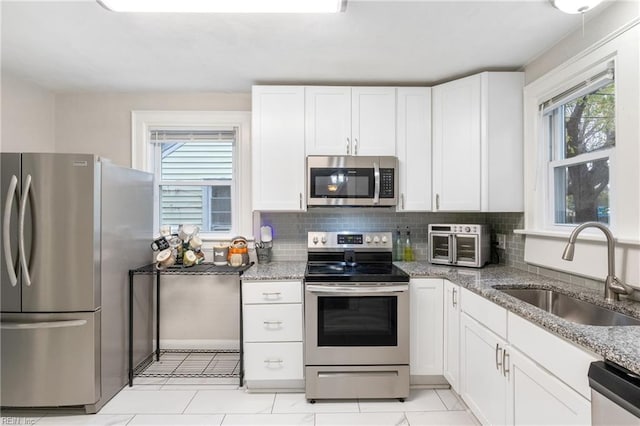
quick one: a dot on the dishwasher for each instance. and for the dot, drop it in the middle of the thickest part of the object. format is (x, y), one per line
(615, 394)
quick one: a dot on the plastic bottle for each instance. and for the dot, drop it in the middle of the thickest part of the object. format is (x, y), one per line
(398, 253)
(408, 250)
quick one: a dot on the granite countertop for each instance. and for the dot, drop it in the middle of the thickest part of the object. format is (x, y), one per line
(275, 271)
(620, 344)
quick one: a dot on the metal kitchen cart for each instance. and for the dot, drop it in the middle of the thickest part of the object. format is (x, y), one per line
(202, 269)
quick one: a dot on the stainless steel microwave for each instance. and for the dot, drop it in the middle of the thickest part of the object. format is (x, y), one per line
(352, 181)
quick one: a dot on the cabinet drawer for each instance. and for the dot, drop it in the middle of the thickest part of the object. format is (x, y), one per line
(271, 292)
(273, 361)
(563, 359)
(268, 323)
(486, 312)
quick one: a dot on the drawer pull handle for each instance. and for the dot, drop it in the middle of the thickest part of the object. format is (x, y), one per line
(268, 323)
(273, 361)
(272, 295)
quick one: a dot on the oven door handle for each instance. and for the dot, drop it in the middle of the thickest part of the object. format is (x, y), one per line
(313, 288)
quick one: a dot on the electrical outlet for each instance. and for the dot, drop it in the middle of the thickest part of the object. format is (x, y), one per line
(501, 239)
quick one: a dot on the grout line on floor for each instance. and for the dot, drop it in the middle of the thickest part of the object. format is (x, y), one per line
(190, 401)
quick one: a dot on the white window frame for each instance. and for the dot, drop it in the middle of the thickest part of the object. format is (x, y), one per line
(142, 157)
(549, 138)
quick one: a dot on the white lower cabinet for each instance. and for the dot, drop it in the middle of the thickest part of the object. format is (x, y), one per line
(483, 386)
(503, 385)
(272, 334)
(452, 334)
(539, 398)
(426, 339)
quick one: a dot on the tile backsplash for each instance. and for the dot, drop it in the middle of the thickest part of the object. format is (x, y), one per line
(290, 233)
(290, 229)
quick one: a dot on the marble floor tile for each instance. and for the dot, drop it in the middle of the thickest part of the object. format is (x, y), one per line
(419, 400)
(361, 419)
(297, 403)
(230, 401)
(86, 419)
(149, 402)
(442, 418)
(303, 419)
(177, 419)
(451, 400)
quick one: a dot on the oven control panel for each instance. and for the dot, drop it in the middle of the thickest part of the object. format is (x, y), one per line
(350, 240)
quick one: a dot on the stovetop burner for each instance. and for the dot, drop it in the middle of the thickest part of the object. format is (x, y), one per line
(343, 272)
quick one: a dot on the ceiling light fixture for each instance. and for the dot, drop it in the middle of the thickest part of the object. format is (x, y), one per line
(575, 6)
(226, 6)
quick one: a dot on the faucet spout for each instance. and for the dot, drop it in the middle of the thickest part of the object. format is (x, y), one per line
(612, 286)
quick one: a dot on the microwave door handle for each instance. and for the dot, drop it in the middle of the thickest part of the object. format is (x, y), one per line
(6, 231)
(376, 177)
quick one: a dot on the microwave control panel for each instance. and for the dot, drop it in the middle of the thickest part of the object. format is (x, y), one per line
(387, 185)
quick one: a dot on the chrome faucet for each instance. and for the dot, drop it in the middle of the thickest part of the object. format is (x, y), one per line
(612, 285)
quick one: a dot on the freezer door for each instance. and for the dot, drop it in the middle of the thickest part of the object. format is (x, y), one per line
(50, 359)
(63, 255)
(10, 183)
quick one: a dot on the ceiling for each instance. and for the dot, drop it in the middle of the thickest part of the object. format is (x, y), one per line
(80, 46)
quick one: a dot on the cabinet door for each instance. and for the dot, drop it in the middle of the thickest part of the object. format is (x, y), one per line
(328, 120)
(456, 145)
(452, 334)
(278, 148)
(373, 120)
(538, 398)
(413, 146)
(483, 386)
(426, 326)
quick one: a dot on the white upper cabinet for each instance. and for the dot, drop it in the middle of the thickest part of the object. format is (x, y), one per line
(350, 120)
(477, 143)
(278, 148)
(328, 120)
(413, 146)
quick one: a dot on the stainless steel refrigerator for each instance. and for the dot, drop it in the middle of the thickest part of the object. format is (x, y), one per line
(72, 227)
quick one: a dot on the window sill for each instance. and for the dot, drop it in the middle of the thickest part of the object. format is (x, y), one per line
(585, 236)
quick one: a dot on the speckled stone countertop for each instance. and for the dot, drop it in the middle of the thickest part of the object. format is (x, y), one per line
(620, 344)
(275, 271)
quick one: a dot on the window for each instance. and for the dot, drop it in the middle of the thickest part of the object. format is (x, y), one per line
(201, 166)
(195, 179)
(580, 127)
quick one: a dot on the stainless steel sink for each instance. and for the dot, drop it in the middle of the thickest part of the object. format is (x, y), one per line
(570, 308)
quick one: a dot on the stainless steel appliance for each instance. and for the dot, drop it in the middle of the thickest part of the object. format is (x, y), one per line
(615, 395)
(356, 318)
(352, 181)
(460, 245)
(72, 227)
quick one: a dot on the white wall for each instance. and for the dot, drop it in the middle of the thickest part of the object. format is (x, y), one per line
(100, 123)
(28, 116)
(614, 18)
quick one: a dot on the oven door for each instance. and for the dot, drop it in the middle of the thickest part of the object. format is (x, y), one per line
(356, 324)
(440, 248)
(466, 250)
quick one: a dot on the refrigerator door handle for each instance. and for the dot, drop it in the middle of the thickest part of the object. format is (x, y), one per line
(6, 230)
(23, 209)
(39, 325)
